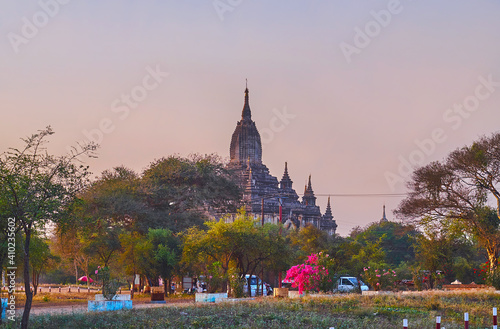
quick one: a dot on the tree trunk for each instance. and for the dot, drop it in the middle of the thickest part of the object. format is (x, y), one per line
(35, 279)
(492, 252)
(28, 293)
(76, 272)
(132, 288)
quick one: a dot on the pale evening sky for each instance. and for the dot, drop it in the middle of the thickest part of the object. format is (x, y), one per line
(351, 92)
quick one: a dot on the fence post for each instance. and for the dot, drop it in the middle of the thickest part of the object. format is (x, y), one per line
(494, 318)
(405, 323)
(466, 320)
(438, 322)
(50, 289)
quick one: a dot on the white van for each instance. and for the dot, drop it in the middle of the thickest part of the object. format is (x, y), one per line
(253, 286)
(350, 284)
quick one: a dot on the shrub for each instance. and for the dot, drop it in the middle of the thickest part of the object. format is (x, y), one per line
(216, 278)
(494, 279)
(313, 275)
(109, 286)
(379, 278)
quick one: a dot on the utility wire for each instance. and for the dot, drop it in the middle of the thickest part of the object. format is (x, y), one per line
(364, 195)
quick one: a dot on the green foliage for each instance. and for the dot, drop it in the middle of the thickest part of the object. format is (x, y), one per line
(418, 277)
(378, 278)
(237, 283)
(494, 278)
(180, 189)
(395, 239)
(242, 243)
(36, 188)
(109, 285)
(458, 189)
(41, 259)
(216, 278)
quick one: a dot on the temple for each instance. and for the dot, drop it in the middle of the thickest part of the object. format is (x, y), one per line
(262, 193)
(384, 218)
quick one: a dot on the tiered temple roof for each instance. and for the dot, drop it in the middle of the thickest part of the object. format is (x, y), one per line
(261, 192)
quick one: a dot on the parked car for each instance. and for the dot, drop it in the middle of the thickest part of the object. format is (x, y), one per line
(350, 284)
(253, 286)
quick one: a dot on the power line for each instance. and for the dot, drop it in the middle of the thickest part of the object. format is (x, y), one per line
(365, 195)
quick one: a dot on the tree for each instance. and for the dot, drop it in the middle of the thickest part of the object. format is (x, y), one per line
(259, 247)
(69, 246)
(183, 192)
(217, 245)
(130, 255)
(396, 240)
(41, 259)
(243, 245)
(459, 188)
(36, 187)
(310, 240)
(107, 207)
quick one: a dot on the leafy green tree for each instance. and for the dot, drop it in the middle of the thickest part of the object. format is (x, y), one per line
(309, 240)
(35, 188)
(130, 255)
(396, 240)
(243, 244)
(166, 253)
(458, 188)
(259, 247)
(70, 247)
(41, 259)
(183, 192)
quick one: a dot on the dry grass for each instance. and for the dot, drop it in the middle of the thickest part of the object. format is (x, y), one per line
(343, 311)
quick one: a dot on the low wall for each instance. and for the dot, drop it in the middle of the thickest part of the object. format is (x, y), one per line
(280, 292)
(210, 297)
(295, 294)
(465, 286)
(109, 305)
(4, 307)
(100, 297)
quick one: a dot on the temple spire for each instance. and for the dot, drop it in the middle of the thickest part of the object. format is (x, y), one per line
(384, 218)
(328, 212)
(309, 198)
(246, 114)
(328, 207)
(286, 182)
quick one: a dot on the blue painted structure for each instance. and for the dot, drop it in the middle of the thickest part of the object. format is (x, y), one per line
(4, 307)
(109, 305)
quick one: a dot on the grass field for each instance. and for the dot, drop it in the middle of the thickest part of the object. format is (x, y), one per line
(346, 311)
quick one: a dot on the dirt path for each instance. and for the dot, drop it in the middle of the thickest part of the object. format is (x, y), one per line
(82, 307)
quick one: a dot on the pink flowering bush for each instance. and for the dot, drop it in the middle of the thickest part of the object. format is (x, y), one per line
(313, 275)
(378, 278)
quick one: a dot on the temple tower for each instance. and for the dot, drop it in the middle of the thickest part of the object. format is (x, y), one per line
(245, 142)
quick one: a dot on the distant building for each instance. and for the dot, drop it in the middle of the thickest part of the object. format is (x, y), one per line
(262, 193)
(384, 219)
